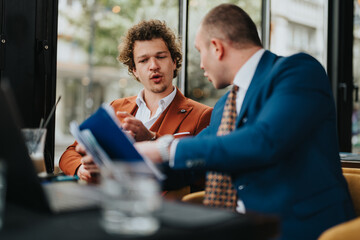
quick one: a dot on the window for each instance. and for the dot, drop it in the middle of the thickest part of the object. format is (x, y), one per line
(89, 33)
(88, 73)
(299, 26)
(198, 87)
(355, 140)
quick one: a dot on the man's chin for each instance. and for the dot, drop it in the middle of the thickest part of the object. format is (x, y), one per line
(219, 85)
(215, 84)
(158, 89)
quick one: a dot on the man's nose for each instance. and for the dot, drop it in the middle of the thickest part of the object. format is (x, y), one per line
(154, 64)
(201, 65)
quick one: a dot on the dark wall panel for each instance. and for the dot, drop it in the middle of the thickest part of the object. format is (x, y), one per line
(19, 29)
(28, 60)
(340, 68)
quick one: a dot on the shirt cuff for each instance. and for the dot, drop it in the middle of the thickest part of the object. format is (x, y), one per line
(172, 152)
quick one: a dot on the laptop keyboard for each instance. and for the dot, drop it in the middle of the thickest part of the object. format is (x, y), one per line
(70, 196)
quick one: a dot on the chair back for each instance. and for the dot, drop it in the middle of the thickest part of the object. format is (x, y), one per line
(353, 180)
(195, 197)
(351, 170)
(349, 230)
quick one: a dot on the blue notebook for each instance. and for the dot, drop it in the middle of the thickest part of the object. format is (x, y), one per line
(106, 128)
(102, 136)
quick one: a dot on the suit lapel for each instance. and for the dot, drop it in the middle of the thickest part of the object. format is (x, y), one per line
(262, 70)
(173, 116)
(130, 106)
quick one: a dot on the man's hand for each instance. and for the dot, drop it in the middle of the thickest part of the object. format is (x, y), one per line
(149, 150)
(88, 171)
(135, 127)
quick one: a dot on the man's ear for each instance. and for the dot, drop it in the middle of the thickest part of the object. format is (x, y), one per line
(174, 65)
(217, 47)
(135, 73)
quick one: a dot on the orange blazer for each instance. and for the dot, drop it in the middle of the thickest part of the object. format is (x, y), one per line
(183, 117)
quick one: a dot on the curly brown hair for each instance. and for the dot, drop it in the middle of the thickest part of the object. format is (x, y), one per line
(148, 30)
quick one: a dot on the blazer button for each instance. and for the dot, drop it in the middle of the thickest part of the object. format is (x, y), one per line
(244, 120)
(183, 111)
(241, 187)
(189, 164)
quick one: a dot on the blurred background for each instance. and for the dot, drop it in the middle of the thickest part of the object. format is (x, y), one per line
(89, 32)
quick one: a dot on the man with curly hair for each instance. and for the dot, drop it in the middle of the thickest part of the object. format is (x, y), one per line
(152, 54)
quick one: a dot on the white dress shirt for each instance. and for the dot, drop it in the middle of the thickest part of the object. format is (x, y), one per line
(144, 114)
(244, 76)
(242, 79)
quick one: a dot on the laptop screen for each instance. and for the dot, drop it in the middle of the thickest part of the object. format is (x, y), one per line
(23, 185)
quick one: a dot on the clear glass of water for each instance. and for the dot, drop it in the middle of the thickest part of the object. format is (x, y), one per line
(35, 142)
(130, 198)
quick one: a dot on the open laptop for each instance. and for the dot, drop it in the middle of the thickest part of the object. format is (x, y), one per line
(23, 185)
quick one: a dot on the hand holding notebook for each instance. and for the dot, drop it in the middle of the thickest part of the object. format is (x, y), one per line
(102, 136)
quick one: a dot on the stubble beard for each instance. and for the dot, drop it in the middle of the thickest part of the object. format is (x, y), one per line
(158, 88)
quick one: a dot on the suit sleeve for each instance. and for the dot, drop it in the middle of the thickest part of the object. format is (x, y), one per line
(299, 100)
(211, 128)
(177, 179)
(70, 160)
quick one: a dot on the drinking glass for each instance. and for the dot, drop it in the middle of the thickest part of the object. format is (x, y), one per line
(35, 142)
(131, 196)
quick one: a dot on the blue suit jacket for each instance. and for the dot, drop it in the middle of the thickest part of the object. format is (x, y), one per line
(283, 155)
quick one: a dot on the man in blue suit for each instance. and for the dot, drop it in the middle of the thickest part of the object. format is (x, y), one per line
(282, 156)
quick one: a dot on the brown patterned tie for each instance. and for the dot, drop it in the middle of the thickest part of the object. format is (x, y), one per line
(219, 190)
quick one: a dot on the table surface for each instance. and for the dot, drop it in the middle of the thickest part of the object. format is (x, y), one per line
(350, 160)
(178, 221)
